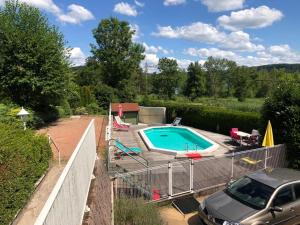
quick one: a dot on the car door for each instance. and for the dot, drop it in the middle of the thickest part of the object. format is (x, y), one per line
(296, 204)
(284, 199)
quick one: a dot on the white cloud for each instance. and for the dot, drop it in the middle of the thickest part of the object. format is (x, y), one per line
(76, 15)
(154, 49)
(214, 52)
(137, 32)
(125, 9)
(198, 31)
(139, 4)
(240, 40)
(223, 5)
(77, 57)
(271, 55)
(259, 17)
(47, 5)
(206, 33)
(150, 62)
(173, 2)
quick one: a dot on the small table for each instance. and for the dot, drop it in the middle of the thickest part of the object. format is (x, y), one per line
(242, 135)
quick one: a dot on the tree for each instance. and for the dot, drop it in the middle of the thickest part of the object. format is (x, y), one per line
(165, 83)
(115, 51)
(33, 60)
(196, 81)
(242, 80)
(283, 109)
(218, 73)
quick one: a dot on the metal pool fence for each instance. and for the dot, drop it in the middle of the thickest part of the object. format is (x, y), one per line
(190, 176)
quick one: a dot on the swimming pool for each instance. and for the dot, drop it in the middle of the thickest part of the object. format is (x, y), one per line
(176, 140)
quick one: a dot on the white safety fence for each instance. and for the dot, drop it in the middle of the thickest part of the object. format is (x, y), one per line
(190, 176)
(67, 201)
(109, 127)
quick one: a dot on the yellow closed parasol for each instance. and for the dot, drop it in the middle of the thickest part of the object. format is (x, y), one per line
(268, 139)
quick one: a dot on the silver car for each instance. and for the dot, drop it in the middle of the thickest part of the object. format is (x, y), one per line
(264, 197)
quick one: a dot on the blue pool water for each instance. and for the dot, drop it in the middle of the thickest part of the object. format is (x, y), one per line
(176, 138)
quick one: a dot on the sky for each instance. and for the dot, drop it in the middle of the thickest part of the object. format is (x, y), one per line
(250, 32)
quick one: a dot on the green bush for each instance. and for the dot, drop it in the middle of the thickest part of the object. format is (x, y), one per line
(80, 111)
(136, 211)
(24, 157)
(8, 115)
(214, 119)
(283, 110)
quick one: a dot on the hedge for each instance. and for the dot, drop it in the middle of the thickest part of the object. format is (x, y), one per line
(24, 158)
(213, 119)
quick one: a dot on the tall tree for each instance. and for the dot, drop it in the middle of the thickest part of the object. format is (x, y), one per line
(165, 83)
(33, 61)
(196, 81)
(118, 55)
(218, 75)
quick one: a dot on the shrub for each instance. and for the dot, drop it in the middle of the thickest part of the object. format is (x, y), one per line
(209, 118)
(136, 211)
(8, 115)
(283, 110)
(80, 111)
(24, 157)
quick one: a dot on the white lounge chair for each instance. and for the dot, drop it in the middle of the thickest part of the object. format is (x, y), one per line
(120, 121)
(176, 121)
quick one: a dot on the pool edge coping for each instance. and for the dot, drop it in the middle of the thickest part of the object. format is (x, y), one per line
(151, 147)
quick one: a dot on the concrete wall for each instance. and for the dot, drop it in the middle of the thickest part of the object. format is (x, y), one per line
(152, 115)
(67, 201)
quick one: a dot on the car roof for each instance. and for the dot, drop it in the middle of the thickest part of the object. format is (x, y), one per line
(276, 177)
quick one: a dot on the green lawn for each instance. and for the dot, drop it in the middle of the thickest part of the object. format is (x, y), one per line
(249, 105)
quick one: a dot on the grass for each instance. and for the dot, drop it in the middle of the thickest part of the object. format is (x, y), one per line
(249, 105)
(136, 212)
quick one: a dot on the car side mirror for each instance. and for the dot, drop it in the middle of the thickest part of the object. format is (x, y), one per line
(276, 209)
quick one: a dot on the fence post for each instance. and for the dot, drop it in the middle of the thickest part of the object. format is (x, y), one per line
(170, 179)
(232, 163)
(192, 175)
(266, 157)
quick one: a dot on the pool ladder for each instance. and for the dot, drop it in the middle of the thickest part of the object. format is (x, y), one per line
(187, 147)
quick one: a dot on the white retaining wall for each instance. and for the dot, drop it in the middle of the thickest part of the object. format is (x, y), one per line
(67, 201)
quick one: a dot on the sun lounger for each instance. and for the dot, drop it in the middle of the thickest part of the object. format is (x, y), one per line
(250, 161)
(120, 121)
(176, 121)
(117, 126)
(124, 149)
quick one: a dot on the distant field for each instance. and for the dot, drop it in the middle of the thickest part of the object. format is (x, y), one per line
(250, 105)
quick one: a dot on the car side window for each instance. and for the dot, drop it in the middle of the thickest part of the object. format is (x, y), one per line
(284, 196)
(297, 190)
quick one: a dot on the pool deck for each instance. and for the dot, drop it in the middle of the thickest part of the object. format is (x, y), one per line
(131, 138)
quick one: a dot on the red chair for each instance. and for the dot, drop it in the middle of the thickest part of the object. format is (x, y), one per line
(234, 136)
(119, 126)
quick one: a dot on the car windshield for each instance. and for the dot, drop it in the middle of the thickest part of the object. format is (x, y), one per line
(250, 192)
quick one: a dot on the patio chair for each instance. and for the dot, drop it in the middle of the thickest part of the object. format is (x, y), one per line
(123, 149)
(234, 136)
(117, 126)
(176, 121)
(120, 121)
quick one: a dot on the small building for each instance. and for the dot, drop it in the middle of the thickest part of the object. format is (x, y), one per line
(130, 112)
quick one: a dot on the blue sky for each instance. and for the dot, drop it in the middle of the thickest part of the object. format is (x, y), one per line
(250, 32)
